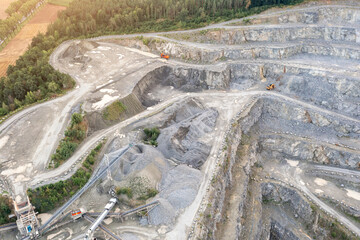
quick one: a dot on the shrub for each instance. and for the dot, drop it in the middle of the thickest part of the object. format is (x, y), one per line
(151, 136)
(74, 135)
(76, 118)
(125, 190)
(151, 192)
(3, 111)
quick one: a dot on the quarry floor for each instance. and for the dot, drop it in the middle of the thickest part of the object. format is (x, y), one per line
(28, 138)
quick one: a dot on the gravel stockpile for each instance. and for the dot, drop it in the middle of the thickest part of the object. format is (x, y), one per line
(182, 140)
(164, 213)
(179, 186)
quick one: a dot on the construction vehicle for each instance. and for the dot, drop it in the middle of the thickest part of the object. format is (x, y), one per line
(76, 214)
(164, 56)
(270, 87)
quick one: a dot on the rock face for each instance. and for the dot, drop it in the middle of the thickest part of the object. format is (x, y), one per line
(274, 34)
(182, 139)
(321, 15)
(252, 51)
(281, 194)
(278, 148)
(279, 232)
(322, 88)
(182, 79)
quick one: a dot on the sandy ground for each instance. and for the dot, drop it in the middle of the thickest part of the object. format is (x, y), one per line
(19, 44)
(3, 6)
(353, 194)
(32, 144)
(292, 163)
(44, 217)
(118, 70)
(320, 182)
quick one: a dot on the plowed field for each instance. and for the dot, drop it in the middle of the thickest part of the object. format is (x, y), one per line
(3, 6)
(19, 44)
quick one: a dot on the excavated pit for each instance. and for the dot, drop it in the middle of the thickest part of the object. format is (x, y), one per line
(288, 164)
(257, 153)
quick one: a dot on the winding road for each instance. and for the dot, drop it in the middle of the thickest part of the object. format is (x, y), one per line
(47, 144)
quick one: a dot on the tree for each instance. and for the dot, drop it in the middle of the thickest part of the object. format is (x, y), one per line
(53, 87)
(30, 97)
(76, 118)
(19, 90)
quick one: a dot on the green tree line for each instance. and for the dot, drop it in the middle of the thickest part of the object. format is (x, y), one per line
(17, 11)
(50, 196)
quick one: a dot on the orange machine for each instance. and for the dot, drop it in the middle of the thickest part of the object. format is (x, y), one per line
(164, 56)
(270, 87)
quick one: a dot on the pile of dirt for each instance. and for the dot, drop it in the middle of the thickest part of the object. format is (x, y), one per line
(181, 139)
(77, 50)
(144, 167)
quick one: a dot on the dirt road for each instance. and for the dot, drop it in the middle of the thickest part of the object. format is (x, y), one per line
(111, 61)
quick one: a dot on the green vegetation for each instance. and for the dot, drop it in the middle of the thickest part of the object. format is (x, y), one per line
(90, 159)
(247, 21)
(137, 190)
(336, 232)
(32, 79)
(50, 196)
(125, 190)
(74, 135)
(5, 210)
(64, 3)
(151, 136)
(113, 111)
(16, 11)
(257, 3)
(151, 192)
(204, 32)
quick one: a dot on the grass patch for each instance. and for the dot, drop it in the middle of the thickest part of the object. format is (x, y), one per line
(64, 3)
(151, 192)
(151, 136)
(247, 21)
(114, 111)
(125, 190)
(137, 188)
(51, 196)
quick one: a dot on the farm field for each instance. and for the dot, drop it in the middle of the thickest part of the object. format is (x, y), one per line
(3, 6)
(18, 45)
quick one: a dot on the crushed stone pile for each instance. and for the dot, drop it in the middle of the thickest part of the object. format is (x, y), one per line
(178, 190)
(181, 140)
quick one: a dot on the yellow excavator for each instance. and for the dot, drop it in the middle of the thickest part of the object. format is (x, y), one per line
(270, 87)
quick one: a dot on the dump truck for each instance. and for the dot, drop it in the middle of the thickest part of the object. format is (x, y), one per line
(164, 56)
(270, 87)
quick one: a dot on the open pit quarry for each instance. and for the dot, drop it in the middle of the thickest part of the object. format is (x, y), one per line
(234, 160)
